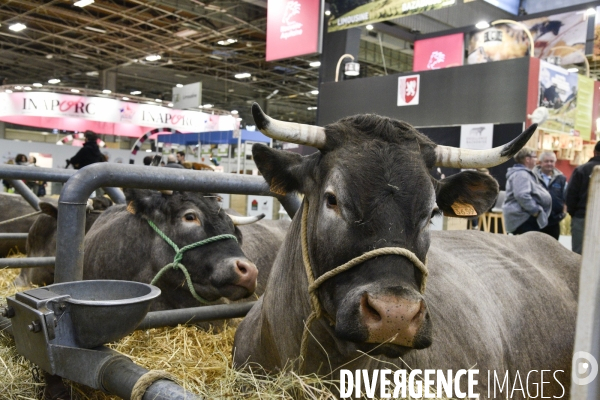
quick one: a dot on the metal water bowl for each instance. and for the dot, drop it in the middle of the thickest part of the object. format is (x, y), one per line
(103, 311)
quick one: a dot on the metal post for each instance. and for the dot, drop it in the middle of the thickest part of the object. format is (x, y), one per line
(27, 262)
(159, 319)
(587, 345)
(28, 195)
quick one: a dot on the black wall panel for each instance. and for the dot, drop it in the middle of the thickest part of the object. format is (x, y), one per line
(494, 92)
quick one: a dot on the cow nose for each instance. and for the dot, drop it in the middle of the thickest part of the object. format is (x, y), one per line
(391, 318)
(246, 273)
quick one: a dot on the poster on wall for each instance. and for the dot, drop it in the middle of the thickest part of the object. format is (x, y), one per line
(558, 93)
(476, 136)
(439, 52)
(257, 205)
(408, 90)
(557, 37)
(584, 109)
(294, 28)
(350, 14)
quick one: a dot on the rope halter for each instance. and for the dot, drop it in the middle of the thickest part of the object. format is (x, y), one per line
(313, 285)
(176, 264)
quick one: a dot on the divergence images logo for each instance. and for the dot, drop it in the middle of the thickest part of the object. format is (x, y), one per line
(585, 368)
(290, 28)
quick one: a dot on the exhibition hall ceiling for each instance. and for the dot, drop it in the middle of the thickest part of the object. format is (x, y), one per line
(207, 41)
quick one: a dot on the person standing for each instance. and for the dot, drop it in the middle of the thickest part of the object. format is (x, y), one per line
(180, 157)
(555, 183)
(576, 198)
(172, 162)
(89, 153)
(528, 203)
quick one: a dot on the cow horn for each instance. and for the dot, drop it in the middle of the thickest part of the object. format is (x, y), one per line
(245, 220)
(292, 132)
(454, 157)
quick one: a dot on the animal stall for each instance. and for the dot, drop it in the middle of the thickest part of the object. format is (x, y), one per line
(220, 147)
(72, 346)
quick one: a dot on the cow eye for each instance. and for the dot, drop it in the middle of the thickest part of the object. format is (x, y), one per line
(190, 217)
(331, 200)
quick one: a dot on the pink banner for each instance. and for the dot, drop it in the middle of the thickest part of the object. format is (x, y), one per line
(293, 28)
(439, 52)
(103, 115)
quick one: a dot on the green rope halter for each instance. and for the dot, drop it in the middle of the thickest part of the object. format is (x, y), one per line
(176, 264)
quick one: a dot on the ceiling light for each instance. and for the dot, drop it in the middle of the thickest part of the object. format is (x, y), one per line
(243, 75)
(106, 91)
(185, 33)
(222, 43)
(311, 108)
(148, 150)
(234, 112)
(315, 64)
(573, 69)
(181, 76)
(231, 41)
(170, 104)
(482, 25)
(590, 12)
(327, 12)
(18, 27)
(153, 57)
(83, 3)
(92, 73)
(215, 57)
(135, 92)
(8, 91)
(37, 84)
(125, 98)
(79, 56)
(49, 56)
(369, 27)
(158, 100)
(18, 87)
(179, 85)
(208, 106)
(54, 81)
(273, 93)
(314, 92)
(75, 90)
(27, 88)
(91, 28)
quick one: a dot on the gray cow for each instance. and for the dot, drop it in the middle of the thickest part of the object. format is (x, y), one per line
(12, 206)
(123, 245)
(449, 300)
(41, 240)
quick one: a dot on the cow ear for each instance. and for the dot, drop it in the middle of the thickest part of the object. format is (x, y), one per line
(140, 201)
(281, 169)
(48, 209)
(466, 194)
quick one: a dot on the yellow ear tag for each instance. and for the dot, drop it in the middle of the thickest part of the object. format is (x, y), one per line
(131, 208)
(463, 209)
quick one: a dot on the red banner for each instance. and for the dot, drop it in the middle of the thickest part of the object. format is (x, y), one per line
(439, 52)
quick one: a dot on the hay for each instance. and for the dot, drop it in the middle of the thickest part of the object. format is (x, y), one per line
(199, 360)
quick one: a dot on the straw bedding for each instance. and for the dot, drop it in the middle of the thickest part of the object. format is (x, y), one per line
(199, 360)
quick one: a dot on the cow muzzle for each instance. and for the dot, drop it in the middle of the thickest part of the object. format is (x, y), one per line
(235, 278)
(391, 319)
(368, 317)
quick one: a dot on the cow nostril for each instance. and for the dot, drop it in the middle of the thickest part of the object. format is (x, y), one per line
(367, 308)
(242, 267)
(421, 311)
